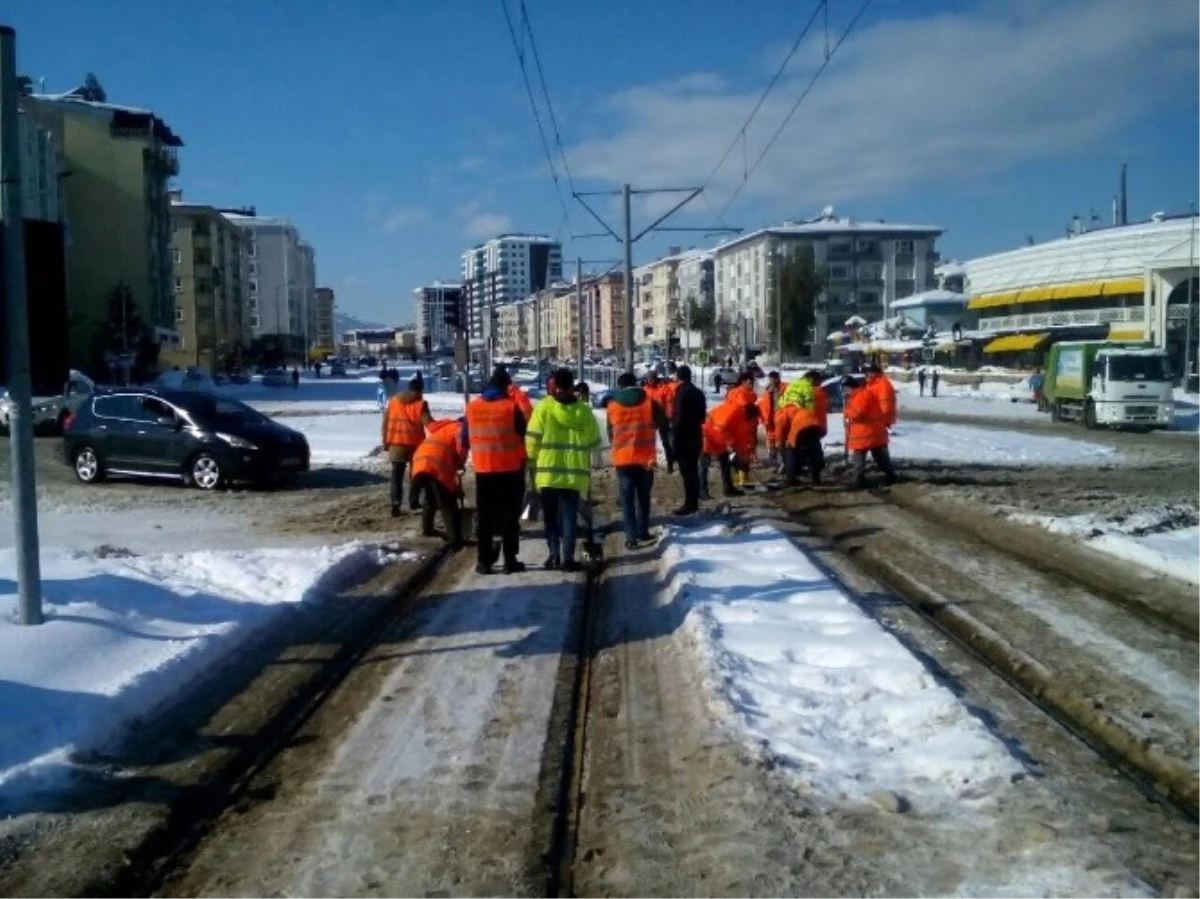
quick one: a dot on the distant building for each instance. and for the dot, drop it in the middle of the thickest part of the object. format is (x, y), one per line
(119, 160)
(662, 287)
(942, 310)
(281, 280)
(869, 264)
(325, 339)
(431, 304)
(506, 269)
(208, 282)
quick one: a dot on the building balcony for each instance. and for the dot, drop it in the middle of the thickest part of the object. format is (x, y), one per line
(1065, 319)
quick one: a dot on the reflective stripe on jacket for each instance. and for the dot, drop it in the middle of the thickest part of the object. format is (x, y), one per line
(440, 454)
(496, 447)
(404, 422)
(560, 440)
(633, 434)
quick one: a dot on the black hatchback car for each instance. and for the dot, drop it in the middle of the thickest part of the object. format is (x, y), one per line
(203, 439)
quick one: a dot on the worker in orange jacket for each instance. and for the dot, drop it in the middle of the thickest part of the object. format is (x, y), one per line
(730, 429)
(404, 420)
(879, 384)
(742, 393)
(806, 428)
(768, 405)
(437, 476)
(866, 431)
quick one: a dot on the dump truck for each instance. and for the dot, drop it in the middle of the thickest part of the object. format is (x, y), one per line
(1104, 384)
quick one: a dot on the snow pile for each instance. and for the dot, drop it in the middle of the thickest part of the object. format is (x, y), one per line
(1165, 539)
(124, 633)
(820, 684)
(956, 443)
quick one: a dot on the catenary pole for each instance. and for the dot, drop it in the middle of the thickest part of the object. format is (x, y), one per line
(628, 281)
(579, 308)
(20, 387)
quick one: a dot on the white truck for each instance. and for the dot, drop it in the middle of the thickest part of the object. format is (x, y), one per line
(1114, 385)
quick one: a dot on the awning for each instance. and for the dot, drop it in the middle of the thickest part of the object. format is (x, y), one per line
(1126, 332)
(1081, 290)
(1016, 343)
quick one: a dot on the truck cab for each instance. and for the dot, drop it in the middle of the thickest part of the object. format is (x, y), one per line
(1112, 385)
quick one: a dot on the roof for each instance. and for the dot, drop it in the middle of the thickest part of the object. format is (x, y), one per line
(131, 113)
(831, 227)
(251, 221)
(929, 297)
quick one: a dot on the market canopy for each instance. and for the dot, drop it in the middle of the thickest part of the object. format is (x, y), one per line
(1016, 343)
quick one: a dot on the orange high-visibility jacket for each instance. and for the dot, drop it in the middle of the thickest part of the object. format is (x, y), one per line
(783, 423)
(633, 433)
(739, 433)
(882, 387)
(866, 427)
(440, 454)
(741, 395)
(496, 447)
(404, 422)
(521, 398)
(816, 417)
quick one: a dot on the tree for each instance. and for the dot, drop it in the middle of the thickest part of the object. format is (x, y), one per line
(123, 340)
(703, 315)
(92, 90)
(801, 282)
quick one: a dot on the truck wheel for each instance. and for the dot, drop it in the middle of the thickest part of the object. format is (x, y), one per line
(1089, 415)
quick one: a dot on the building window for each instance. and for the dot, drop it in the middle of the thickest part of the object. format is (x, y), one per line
(254, 285)
(254, 321)
(904, 247)
(866, 246)
(250, 250)
(253, 303)
(253, 268)
(178, 313)
(179, 285)
(839, 272)
(176, 256)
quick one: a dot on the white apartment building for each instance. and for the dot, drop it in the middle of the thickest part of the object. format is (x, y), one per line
(870, 265)
(506, 269)
(662, 287)
(281, 282)
(431, 304)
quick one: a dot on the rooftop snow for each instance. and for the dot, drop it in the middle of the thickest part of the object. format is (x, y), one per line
(828, 227)
(928, 297)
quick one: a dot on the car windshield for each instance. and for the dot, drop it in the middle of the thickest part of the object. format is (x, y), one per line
(1138, 368)
(218, 410)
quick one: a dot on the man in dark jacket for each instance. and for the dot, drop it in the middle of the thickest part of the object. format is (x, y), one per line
(687, 423)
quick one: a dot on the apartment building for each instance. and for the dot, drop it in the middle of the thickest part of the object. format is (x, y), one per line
(870, 264)
(431, 305)
(662, 287)
(512, 329)
(325, 340)
(604, 312)
(116, 211)
(208, 282)
(505, 269)
(281, 280)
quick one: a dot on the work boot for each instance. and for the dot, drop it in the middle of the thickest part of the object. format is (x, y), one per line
(631, 545)
(552, 562)
(570, 565)
(514, 567)
(685, 509)
(483, 569)
(395, 510)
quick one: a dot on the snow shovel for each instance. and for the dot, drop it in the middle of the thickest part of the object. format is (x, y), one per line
(533, 501)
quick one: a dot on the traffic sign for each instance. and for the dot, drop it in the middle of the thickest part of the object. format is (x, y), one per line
(927, 354)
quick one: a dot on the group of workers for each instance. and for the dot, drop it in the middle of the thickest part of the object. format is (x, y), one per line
(554, 444)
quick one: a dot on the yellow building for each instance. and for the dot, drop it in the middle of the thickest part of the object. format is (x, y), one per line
(116, 162)
(209, 265)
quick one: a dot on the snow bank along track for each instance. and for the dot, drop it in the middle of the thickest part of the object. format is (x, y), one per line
(1110, 655)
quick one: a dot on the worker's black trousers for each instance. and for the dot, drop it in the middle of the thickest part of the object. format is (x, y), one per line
(805, 454)
(436, 498)
(499, 500)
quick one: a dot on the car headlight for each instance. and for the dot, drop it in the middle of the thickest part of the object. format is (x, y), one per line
(237, 442)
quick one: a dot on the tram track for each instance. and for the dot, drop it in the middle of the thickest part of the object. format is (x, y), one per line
(999, 605)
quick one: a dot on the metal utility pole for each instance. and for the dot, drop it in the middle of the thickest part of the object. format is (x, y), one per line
(537, 334)
(629, 238)
(20, 386)
(687, 330)
(579, 309)
(1187, 334)
(778, 259)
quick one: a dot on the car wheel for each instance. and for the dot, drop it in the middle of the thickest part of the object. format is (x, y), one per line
(204, 472)
(88, 467)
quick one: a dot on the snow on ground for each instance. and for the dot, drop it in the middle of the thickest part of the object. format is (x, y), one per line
(991, 399)
(125, 632)
(819, 683)
(1166, 540)
(944, 442)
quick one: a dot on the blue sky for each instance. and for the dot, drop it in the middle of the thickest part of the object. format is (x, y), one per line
(396, 133)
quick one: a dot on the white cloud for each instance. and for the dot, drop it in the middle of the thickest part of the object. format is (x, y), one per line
(481, 223)
(912, 101)
(391, 217)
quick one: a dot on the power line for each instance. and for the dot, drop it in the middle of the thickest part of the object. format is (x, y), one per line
(807, 89)
(546, 94)
(741, 132)
(537, 117)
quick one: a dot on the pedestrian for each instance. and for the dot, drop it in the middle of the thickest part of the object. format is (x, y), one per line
(495, 437)
(687, 437)
(921, 381)
(560, 442)
(801, 415)
(934, 383)
(879, 384)
(866, 431)
(404, 423)
(633, 419)
(768, 403)
(437, 477)
(730, 429)
(806, 430)
(295, 377)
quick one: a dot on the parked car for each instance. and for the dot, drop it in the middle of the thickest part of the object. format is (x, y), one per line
(722, 378)
(50, 410)
(600, 400)
(337, 368)
(203, 439)
(276, 377)
(1022, 391)
(191, 379)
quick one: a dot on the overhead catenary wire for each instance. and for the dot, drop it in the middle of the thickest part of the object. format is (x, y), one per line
(537, 61)
(537, 116)
(799, 101)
